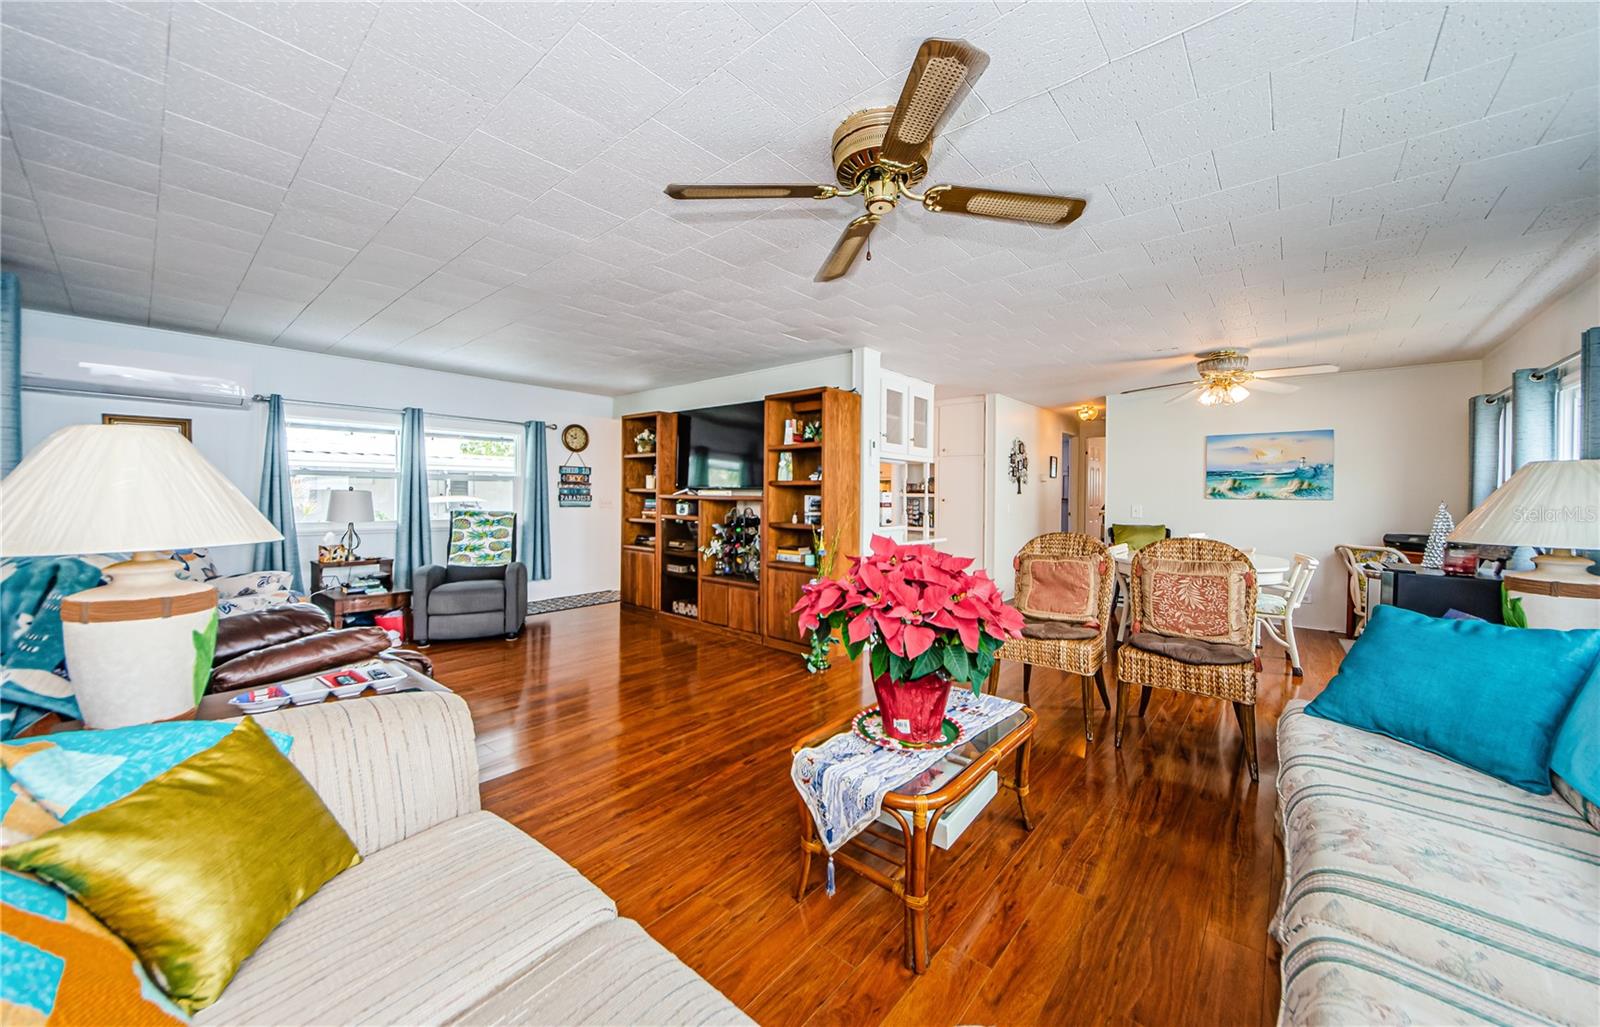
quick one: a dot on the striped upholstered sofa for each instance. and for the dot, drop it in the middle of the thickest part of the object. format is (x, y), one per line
(454, 915)
(1419, 891)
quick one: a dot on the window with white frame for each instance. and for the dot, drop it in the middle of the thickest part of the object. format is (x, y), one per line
(1507, 420)
(328, 452)
(1569, 416)
(470, 469)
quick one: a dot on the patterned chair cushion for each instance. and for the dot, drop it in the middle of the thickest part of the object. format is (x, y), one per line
(1419, 891)
(1064, 588)
(1193, 651)
(481, 538)
(1057, 630)
(1270, 604)
(1194, 599)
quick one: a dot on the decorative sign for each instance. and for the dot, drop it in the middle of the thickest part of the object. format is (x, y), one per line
(574, 489)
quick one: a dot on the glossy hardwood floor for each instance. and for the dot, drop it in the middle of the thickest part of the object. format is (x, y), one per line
(654, 756)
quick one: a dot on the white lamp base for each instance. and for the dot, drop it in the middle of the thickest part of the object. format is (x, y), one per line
(139, 649)
(1558, 593)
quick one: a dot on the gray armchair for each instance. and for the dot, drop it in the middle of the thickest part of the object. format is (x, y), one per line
(454, 602)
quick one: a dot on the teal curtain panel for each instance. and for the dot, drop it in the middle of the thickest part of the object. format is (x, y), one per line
(1533, 419)
(1589, 370)
(413, 540)
(535, 501)
(1483, 441)
(10, 372)
(276, 500)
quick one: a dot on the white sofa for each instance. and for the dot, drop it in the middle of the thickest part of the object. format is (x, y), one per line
(454, 915)
(1419, 891)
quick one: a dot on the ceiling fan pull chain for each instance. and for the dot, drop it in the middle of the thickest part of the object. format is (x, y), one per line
(869, 251)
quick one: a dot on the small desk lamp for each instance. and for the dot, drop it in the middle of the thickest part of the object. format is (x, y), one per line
(138, 649)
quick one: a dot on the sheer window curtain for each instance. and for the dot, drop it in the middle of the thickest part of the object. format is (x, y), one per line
(535, 501)
(276, 499)
(413, 537)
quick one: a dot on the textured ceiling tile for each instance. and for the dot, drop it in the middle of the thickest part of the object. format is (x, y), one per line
(1106, 158)
(1029, 129)
(1146, 83)
(1500, 133)
(1234, 257)
(889, 38)
(200, 96)
(680, 42)
(612, 188)
(1189, 244)
(1392, 196)
(1239, 112)
(1240, 201)
(1280, 223)
(224, 185)
(1308, 241)
(469, 53)
(1125, 28)
(1552, 171)
(1170, 183)
(1417, 218)
(231, 50)
(361, 178)
(569, 214)
(1567, 215)
(41, 147)
(206, 144)
(317, 198)
(1035, 48)
(1344, 175)
(431, 230)
(1259, 37)
(1317, 88)
(1551, 70)
(171, 224)
(594, 78)
(138, 138)
(332, 31)
(1277, 152)
(499, 163)
(538, 25)
(659, 232)
(384, 264)
(726, 117)
(804, 66)
(387, 86)
(67, 73)
(1135, 228)
(105, 31)
(654, 151)
(457, 190)
(1435, 104)
(1476, 33)
(1578, 117)
(45, 179)
(88, 242)
(94, 275)
(526, 117)
(371, 137)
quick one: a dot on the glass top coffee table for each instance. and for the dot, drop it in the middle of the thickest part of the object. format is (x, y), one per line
(898, 860)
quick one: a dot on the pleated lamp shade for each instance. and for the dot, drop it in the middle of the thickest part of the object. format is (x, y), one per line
(111, 488)
(1548, 504)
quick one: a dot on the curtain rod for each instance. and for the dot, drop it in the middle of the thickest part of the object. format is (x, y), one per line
(258, 398)
(1558, 365)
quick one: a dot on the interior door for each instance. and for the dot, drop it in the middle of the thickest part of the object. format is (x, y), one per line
(1094, 485)
(960, 495)
(1065, 470)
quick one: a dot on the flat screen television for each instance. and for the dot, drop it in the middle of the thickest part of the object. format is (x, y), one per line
(720, 447)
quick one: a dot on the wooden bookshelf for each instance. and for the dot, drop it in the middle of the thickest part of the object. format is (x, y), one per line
(640, 524)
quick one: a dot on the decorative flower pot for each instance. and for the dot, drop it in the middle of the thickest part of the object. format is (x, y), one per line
(913, 711)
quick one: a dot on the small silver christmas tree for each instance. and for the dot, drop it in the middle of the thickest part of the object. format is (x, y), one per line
(1443, 525)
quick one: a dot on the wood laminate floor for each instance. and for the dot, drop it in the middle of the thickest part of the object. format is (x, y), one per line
(654, 756)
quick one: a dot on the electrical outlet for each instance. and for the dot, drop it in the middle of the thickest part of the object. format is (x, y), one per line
(1136, 511)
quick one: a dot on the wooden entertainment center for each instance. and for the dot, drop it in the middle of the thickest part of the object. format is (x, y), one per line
(664, 527)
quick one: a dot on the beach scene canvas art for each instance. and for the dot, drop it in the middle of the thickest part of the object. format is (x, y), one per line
(1270, 465)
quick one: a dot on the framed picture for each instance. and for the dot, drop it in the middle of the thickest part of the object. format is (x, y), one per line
(813, 509)
(1055, 467)
(180, 424)
(1288, 465)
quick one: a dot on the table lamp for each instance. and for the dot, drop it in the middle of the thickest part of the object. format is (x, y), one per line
(139, 648)
(1548, 504)
(350, 506)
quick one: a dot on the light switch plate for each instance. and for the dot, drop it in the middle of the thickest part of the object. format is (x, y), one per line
(1136, 511)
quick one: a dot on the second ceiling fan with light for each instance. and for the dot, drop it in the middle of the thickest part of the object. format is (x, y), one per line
(1226, 379)
(879, 154)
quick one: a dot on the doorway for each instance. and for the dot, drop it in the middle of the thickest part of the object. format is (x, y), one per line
(1094, 484)
(1066, 481)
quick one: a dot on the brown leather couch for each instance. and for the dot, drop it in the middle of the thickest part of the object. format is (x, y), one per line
(293, 640)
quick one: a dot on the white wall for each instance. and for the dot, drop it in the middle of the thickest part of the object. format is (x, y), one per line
(1550, 336)
(1012, 519)
(1400, 447)
(584, 540)
(836, 371)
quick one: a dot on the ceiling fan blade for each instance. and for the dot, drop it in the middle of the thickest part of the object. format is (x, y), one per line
(751, 192)
(1268, 385)
(940, 78)
(1293, 372)
(1153, 388)
(1184, 395)
(851, 243)
(1034, 208)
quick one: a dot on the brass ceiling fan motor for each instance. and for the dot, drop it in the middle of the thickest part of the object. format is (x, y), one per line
(881, 153)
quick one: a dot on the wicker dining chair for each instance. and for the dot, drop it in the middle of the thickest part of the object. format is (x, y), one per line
(1085, 657)
(1207, 668)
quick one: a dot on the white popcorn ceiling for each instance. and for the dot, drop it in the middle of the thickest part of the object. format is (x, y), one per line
(478, 187)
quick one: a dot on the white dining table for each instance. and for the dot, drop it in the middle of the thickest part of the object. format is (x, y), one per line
(1270, 570)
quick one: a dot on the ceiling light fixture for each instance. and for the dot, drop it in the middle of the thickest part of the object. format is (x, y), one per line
(1088, 412)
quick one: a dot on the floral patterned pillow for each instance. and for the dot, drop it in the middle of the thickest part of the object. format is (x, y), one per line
(1064, 588)
(1195, 599)
(481, 538)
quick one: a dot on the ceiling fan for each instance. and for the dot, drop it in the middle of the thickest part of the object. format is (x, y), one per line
(881, 152)
(1224, 374)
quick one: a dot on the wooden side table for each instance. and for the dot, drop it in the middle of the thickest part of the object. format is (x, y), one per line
(917, 806)
(341, 604)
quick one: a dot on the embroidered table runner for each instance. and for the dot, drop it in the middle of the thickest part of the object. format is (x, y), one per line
(843, 780)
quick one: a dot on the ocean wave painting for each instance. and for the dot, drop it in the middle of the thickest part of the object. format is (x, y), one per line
(1270, 465)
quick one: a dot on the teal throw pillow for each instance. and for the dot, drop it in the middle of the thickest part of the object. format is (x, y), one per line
(1576, 756)
(71, 773)
(1484, 695)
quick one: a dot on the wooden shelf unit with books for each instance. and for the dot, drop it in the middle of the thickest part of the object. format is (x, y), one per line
(795, 500)
(640, 523)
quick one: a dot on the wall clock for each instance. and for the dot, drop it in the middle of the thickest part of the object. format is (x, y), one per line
(575, 437)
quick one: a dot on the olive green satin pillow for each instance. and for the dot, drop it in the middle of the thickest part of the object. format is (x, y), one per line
(196, 867)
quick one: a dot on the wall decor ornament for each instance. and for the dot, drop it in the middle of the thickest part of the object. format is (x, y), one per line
(1019, 464)
(1438, 537)
(1270, 465)
(575, 487)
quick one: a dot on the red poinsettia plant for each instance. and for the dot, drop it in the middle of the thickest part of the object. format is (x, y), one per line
(919, 611)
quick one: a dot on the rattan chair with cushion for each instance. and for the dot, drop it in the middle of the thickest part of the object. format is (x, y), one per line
(1072, 642)
(1193, 603)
